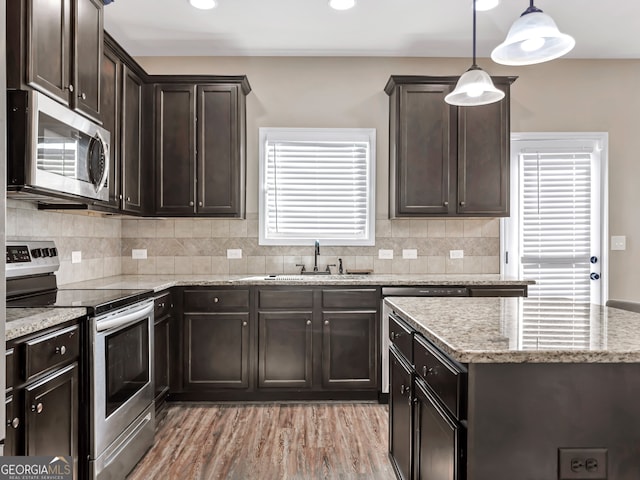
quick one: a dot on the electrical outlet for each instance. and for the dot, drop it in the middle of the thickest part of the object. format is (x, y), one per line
(385, 254)
(234, 253)
(618, 242)
(410, 253)
(76, 257)
(139, 253)
(456, 253)
(582, 464)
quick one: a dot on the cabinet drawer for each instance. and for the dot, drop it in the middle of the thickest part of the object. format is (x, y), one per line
(285, 299)
(52, 350)
(162, 306)
(350, 298)
(444, 376)
(401, 335)
(216, 300)
(10, 368)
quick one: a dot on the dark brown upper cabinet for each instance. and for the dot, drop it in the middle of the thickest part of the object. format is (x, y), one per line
(446, 160)
(111, 92)
(200, 146)
(132, 142)
(55, 46)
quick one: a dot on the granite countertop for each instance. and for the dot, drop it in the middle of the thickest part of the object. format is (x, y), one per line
(517, 330)
(23, 321)
(162, 282)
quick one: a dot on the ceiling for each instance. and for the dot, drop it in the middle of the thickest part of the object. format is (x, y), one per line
(422, 28)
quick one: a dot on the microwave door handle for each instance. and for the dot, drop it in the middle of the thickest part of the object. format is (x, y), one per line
(107, 158)
(125, 319)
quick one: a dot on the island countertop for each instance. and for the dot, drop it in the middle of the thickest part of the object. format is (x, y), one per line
(519, 330)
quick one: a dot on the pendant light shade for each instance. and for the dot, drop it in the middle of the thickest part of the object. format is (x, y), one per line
(474, 87)
(533, 38)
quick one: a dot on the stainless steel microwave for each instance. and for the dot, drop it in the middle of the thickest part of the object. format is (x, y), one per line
(53, 150)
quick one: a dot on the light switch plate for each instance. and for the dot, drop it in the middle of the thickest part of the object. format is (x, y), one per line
(456, 253)
(139, 253)
(234, 253)
(385, 254)
(410, 253)
(76, 257)
(618, 242)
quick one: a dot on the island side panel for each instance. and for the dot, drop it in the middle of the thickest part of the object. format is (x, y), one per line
(521, 414)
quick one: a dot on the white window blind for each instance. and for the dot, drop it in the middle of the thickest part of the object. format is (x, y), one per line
(317, 184)
(556, 223)
(57, 156)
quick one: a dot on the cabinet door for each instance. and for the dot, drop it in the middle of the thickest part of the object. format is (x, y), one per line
(49, 47)
(175, 149)
(349, 350)
(51, 407)
(483, 158)
(285, 349)
(425, 145)
(131, 142)
(400, 415)
(220, 176)
(217, 351)
(161, 358)
(88, 56)
(437, 449)
(110, 110)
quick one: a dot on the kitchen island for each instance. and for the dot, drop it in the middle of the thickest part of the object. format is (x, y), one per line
(513, 388)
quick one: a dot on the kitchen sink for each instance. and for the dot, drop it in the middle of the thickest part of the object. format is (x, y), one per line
(298, 278)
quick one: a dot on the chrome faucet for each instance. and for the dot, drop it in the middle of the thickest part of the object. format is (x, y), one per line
(315, 256)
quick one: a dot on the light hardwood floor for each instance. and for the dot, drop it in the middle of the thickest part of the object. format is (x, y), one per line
(307, 441)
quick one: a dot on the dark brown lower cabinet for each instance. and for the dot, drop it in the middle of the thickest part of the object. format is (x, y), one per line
(285, 349)
(217, 351)
(51, 427)
(13, 424)
(161, 362)
(400, 414)
(437, 438)
(349, 350)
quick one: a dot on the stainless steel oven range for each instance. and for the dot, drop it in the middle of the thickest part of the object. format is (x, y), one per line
(119, 334)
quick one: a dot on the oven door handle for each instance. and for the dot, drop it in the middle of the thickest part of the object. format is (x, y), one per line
(127, 318)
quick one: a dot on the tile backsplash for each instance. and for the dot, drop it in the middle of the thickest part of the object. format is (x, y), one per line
(96, 236)
(199, 245)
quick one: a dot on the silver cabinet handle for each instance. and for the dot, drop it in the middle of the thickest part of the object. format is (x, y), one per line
(83, 96)
(15, 423)
(128, 199)
(244, 324)
(424, 370)
(216, 299)
(402, 389)
(37, 408)
(308, 322)
(462, 204)
(70, 88)
(61, 350)
(446, 204)
(326, 322)
(199, 204)
(120, 196)
(191, 203)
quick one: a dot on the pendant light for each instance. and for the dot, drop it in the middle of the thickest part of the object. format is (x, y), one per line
(533, 38)
(474, 87)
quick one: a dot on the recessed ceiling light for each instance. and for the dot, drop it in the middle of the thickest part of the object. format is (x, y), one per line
(203, 4)
(342, 4)
(484, 5)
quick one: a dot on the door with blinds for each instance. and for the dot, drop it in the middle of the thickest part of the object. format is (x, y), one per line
(555, 234)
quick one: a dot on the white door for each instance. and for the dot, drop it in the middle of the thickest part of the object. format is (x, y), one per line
(555, 233)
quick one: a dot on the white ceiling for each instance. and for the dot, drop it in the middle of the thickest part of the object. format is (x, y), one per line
(422, 28)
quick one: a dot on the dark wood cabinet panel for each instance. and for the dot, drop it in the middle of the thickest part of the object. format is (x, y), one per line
(350, 350)
(285, 349)
(220, 175)
(131, 153)
(51, 407)
(110, 87)
(13, 426)
(161, 335)
(436, 452)
(216, 351)
(400, 414)
(48, 51)
(446, 160)
(88, 54)
(175, 140)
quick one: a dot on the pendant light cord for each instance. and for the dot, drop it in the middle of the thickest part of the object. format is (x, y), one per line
(532, 9)
(475, 66)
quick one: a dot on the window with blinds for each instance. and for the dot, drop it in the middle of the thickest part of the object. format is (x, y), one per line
(553, 234)
(317, 184)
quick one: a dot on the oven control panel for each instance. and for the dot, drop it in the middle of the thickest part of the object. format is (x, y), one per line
(31, 258)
